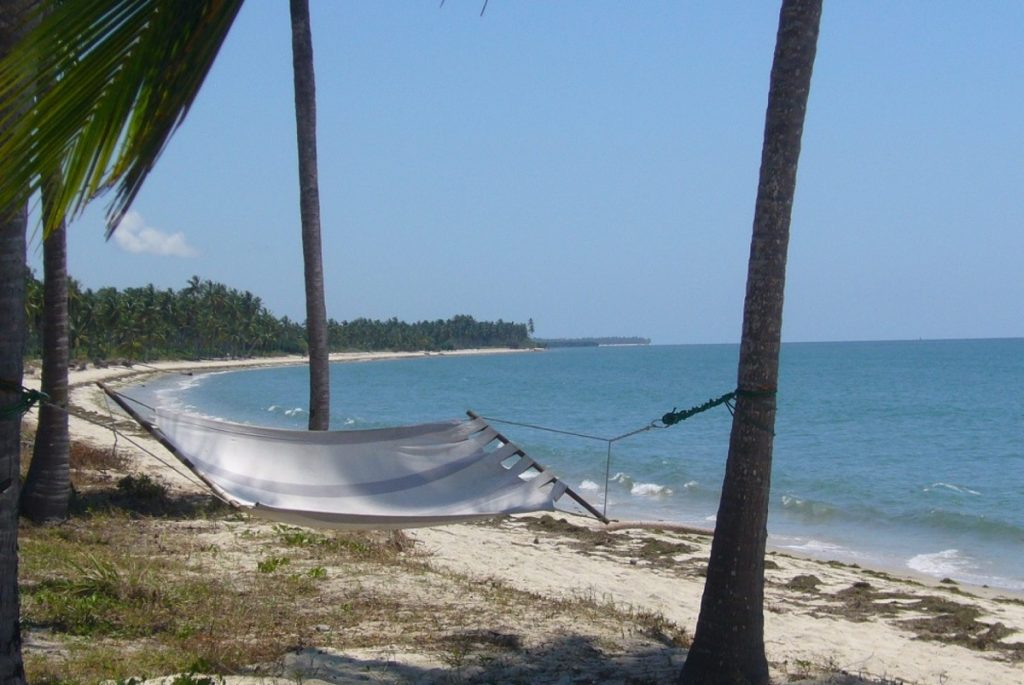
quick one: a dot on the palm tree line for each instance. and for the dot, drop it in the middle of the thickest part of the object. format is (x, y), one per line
(206, 319)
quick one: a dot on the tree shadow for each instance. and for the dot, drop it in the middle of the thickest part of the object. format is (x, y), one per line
(475, 658)
(494, 657)
(142, 496)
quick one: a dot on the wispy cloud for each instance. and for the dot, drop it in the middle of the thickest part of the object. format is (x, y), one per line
(133, 235)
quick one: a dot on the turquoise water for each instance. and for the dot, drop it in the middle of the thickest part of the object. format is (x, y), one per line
(904, 455)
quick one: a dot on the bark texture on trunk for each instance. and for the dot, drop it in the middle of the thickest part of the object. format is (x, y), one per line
(309, 197)
(728, 645)
(12, 345)
(47, 490)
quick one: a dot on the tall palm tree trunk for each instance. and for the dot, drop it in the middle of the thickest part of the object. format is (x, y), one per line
(309, 199)
(13, 220)
(47, 490)
(728, 645)
(12, 342)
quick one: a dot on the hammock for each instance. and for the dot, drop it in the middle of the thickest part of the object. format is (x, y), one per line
(423, 475)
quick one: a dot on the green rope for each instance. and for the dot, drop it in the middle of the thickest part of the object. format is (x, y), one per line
(27, 400)
(674, 417)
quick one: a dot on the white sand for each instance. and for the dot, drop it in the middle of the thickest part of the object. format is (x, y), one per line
(800, 628)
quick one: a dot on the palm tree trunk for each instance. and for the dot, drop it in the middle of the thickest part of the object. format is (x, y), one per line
(12, 340)
(47, 490)
(728, 645)
(309, 198)
(13, 222)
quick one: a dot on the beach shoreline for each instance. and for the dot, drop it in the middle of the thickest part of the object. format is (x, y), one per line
(873, 622)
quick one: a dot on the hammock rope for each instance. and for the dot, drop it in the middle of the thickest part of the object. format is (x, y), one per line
(28, 399)
(112, 427)
(666, 421)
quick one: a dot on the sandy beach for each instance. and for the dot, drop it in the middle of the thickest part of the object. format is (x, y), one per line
(823, 619)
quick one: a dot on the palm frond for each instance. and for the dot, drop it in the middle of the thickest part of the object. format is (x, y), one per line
(95, 90)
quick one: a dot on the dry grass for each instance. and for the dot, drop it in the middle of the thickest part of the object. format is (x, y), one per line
(140, 582)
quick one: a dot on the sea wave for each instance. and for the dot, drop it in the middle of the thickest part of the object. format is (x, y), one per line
(622, 479)
(816, 548)
(947, 563)
(954, 564)
(950, 487)
(649, 490)
(169, 394)
(808, 508)
(589, 485)
(969, 523)
(638, 489)
(287, 411)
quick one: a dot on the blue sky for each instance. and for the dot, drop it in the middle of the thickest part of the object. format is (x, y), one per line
(593, 166)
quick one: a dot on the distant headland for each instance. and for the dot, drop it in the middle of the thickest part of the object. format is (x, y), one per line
(591, 342)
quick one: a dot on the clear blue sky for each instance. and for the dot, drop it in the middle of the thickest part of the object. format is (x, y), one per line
(593, 165)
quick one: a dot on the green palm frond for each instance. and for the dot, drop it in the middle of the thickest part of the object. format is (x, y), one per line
(94, 91)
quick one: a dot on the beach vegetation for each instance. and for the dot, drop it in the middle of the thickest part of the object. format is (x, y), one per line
(205, 319)
(271, 564)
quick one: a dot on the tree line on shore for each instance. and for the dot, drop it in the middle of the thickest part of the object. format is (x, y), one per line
(592, 342)
(208, 319)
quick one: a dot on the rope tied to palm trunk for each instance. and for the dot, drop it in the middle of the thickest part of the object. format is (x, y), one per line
(26, 400)
(728, 399)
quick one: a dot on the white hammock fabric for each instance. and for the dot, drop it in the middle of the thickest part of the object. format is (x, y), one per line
(423, 475)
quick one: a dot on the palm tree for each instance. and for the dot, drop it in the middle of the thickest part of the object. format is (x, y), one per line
(309, 195)
(12, 333)
(13, 220)
(728, 645)
(109, 81)
(47, 490)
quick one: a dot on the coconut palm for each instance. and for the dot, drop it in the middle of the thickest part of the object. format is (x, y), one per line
(12, 332)
(105, 84)
(114, 79)
(728, 645)
(47, 490)
(13, 219)
(309, 196)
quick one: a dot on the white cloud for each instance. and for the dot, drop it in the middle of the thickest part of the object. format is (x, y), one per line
(133, 235)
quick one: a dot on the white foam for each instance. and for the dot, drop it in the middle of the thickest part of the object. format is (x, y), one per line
(952, 488)
(948, 562)
(649, 490)
(589, 485)
(951, 563)
(816, 547)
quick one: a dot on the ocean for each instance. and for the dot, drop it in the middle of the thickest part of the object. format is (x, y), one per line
(906, 456)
